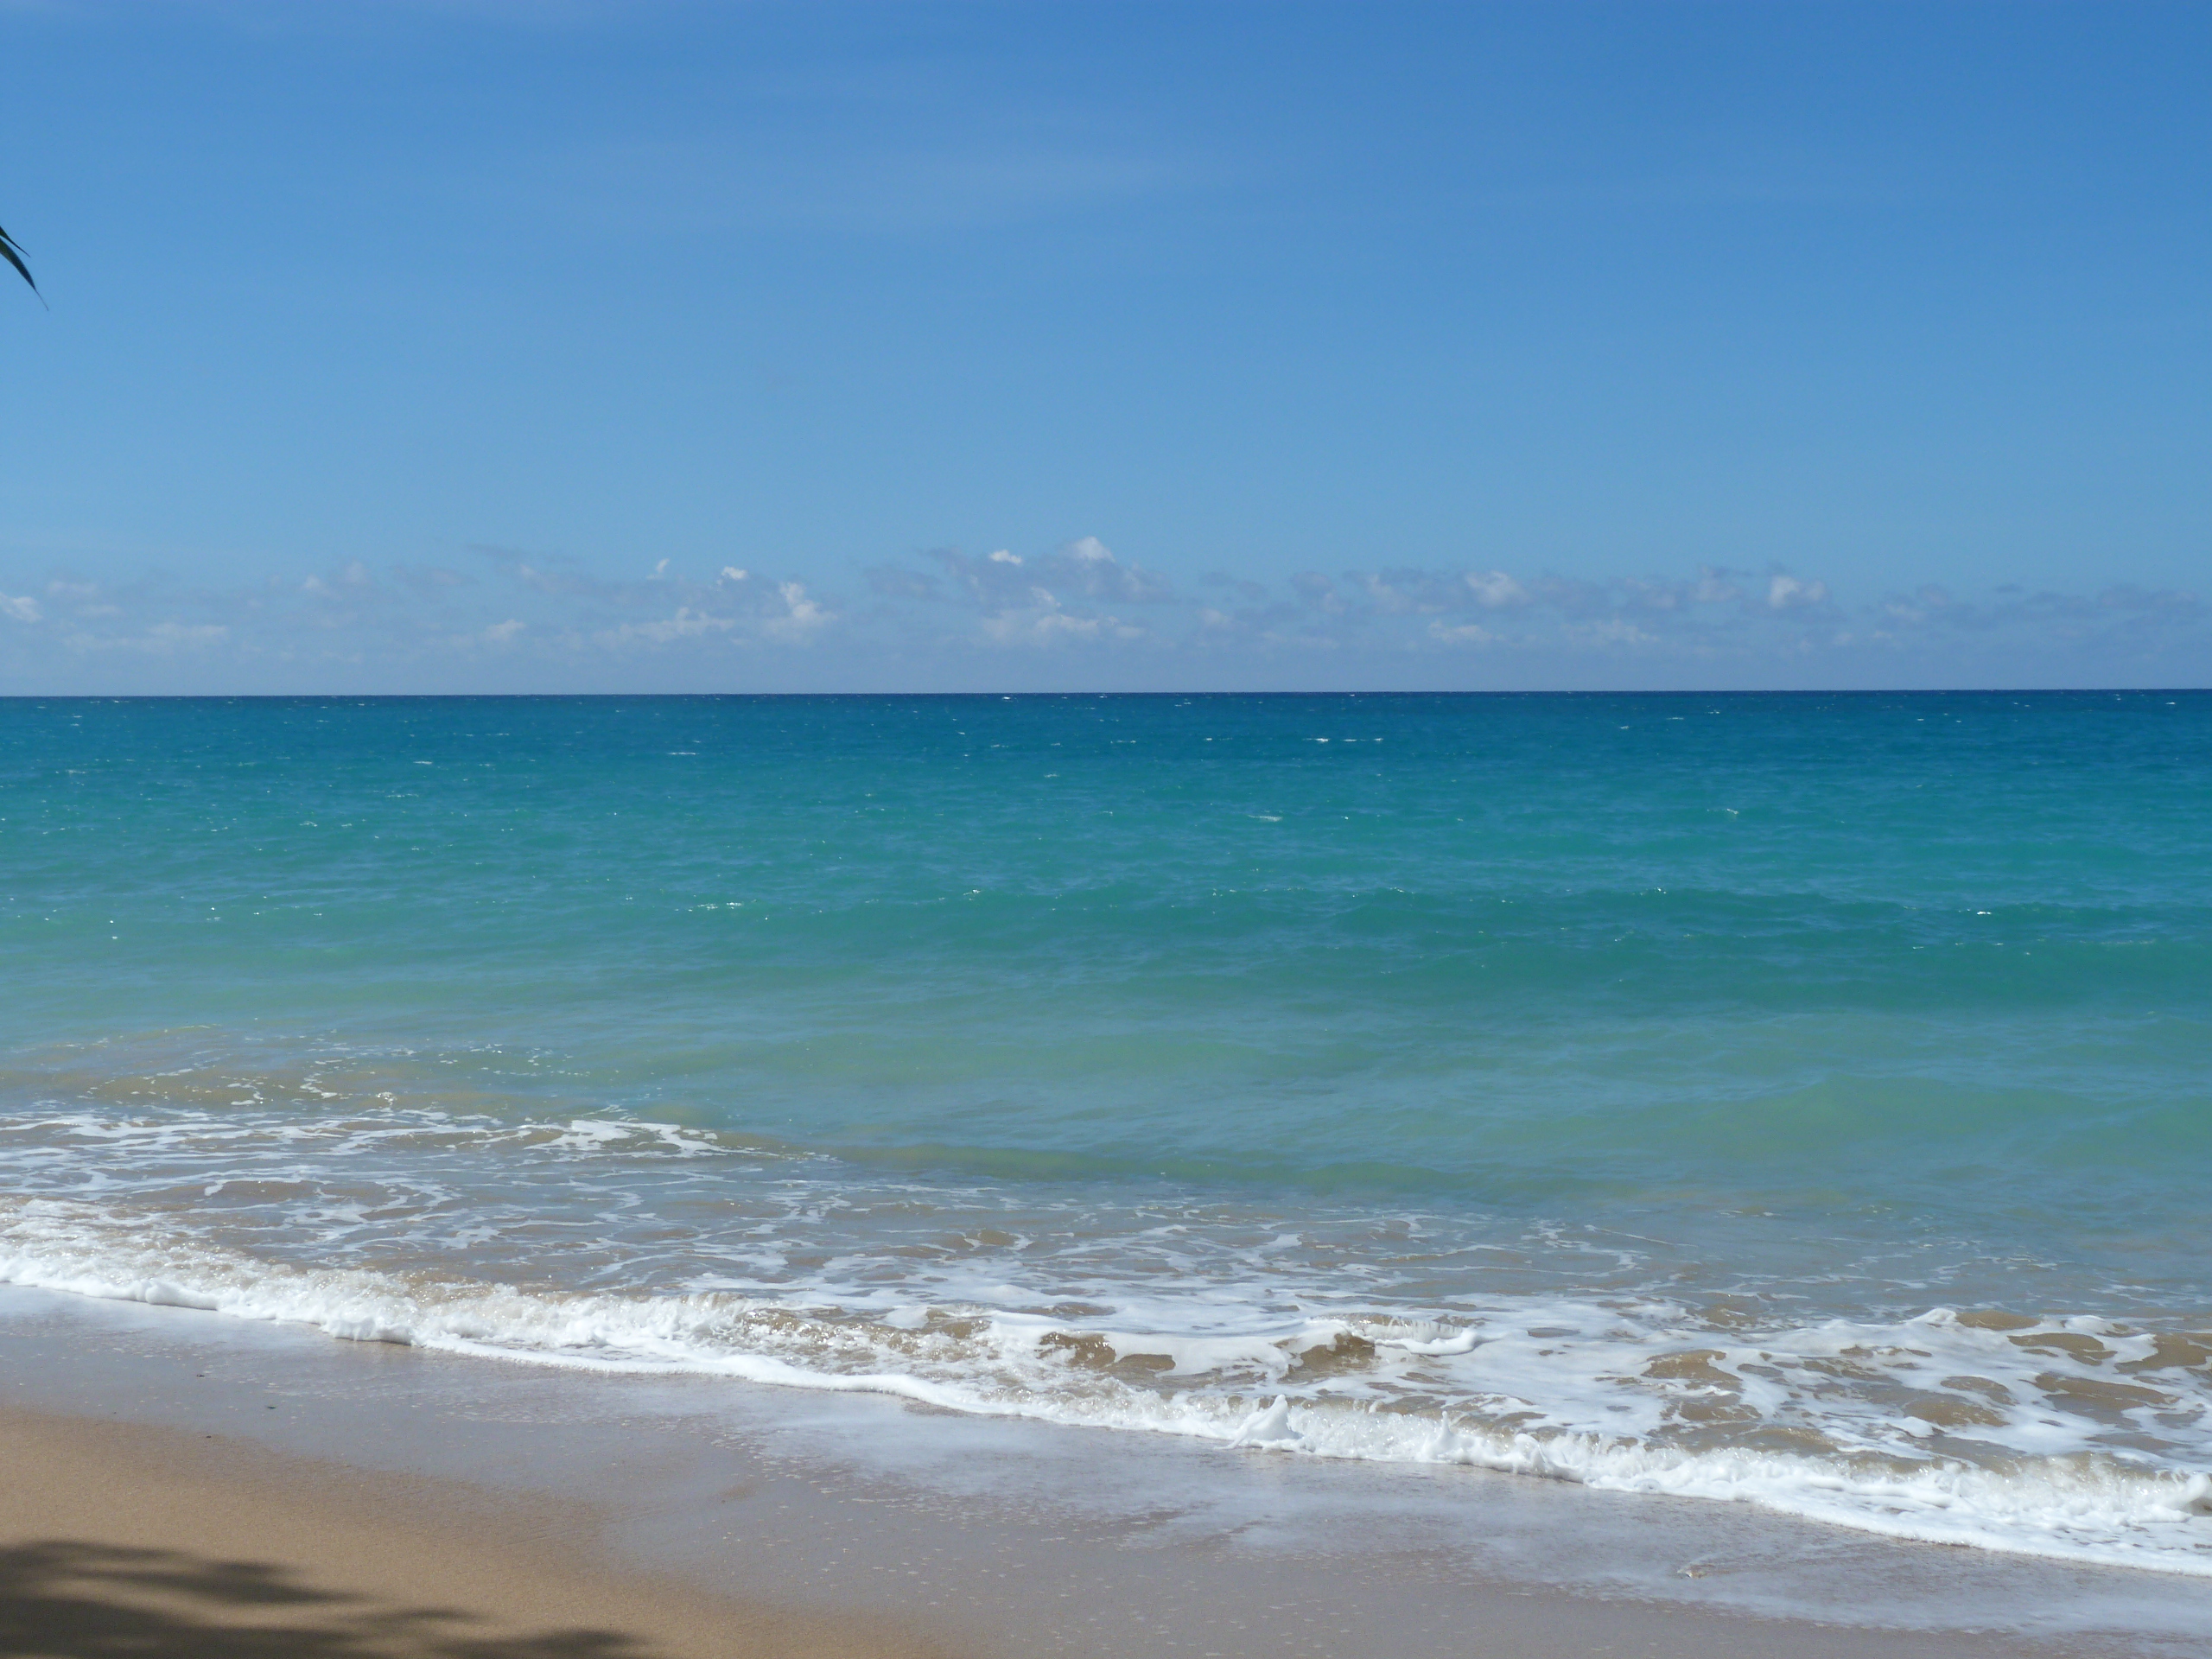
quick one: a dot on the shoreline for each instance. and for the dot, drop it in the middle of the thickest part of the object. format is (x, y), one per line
(381, 1497)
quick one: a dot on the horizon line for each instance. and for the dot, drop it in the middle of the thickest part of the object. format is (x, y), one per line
(1011, 696)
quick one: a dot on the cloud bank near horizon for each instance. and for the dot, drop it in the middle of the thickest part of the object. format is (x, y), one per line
(1077, 617)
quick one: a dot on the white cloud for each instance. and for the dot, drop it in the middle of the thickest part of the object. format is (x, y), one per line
(353, 574)
(1042, 627)
(520, 620)
(162, 639)
(802, 616)
(1044, 621)
(1612, 631)
(1467, 633)
(1389, 595)
(1005, 581)
(1495, 589)
(1786, 593)
(686, 624)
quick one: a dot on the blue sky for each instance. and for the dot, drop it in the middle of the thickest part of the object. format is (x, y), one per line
(516, 346)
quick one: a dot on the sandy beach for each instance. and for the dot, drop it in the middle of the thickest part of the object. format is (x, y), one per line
(122, 1537)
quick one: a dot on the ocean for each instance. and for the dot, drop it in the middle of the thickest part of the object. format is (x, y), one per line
(1798, 1101)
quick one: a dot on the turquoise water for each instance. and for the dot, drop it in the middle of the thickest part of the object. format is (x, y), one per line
(1805, 1099)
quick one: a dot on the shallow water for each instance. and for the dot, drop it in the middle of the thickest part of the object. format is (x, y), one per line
(1796, 1100)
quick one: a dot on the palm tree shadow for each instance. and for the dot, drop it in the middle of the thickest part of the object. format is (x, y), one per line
(67, 1599)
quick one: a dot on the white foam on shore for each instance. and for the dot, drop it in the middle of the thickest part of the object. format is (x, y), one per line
(1625, 1397)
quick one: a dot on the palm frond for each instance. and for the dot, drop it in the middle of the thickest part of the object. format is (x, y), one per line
(14, 255)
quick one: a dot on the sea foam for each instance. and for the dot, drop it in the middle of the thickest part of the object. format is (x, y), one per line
(1494, 1394)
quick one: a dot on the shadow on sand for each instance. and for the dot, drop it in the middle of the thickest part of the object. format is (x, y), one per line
(67, 1600)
